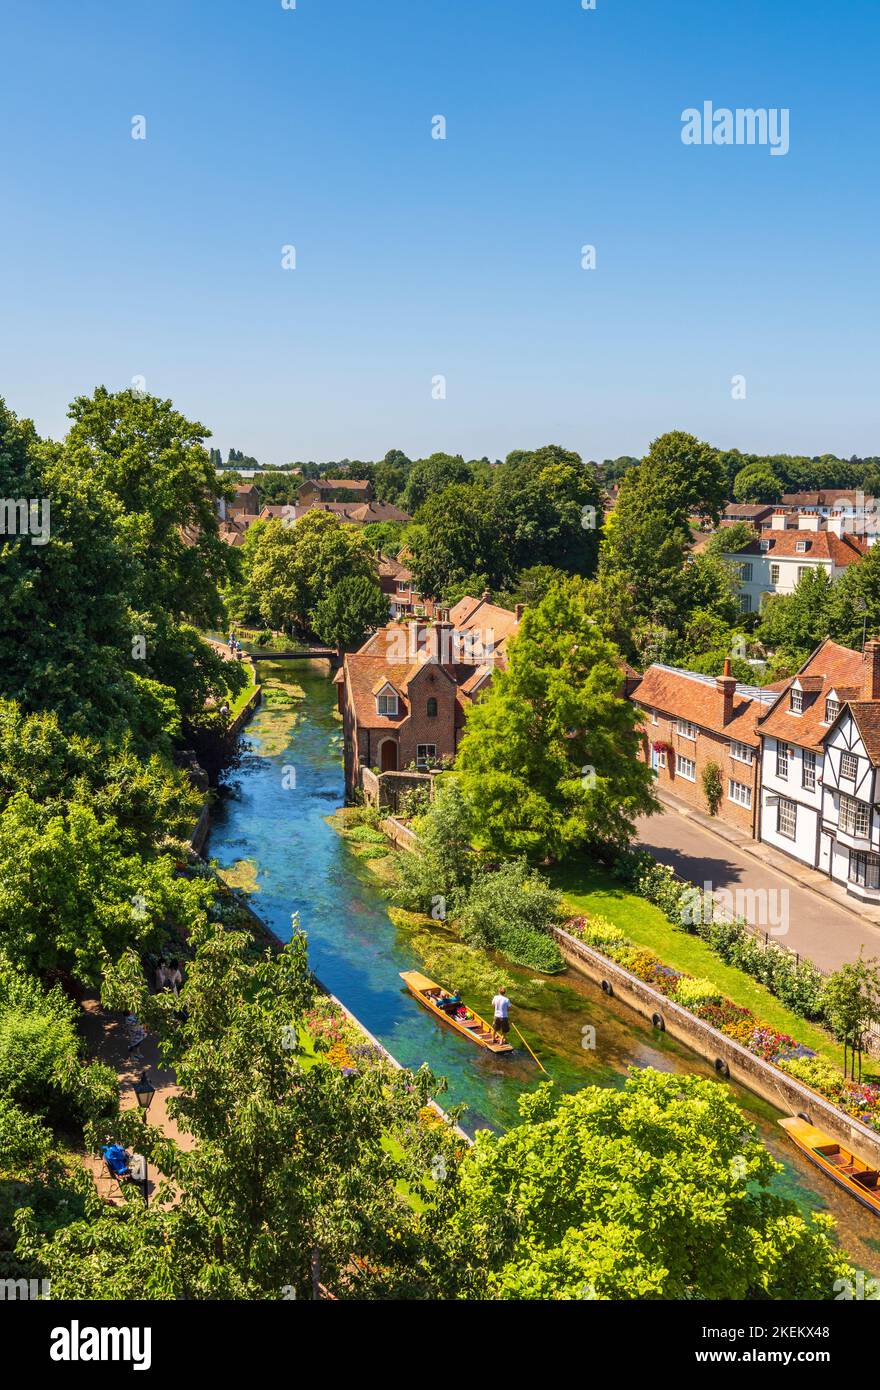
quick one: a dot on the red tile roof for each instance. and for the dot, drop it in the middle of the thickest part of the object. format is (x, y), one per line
(821, 545)
(840, 670)
(687, 695)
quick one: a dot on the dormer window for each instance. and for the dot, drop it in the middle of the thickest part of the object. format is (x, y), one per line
(797, 701)
(386, 704)
(801, 547)
(765, 545)
(832, 710)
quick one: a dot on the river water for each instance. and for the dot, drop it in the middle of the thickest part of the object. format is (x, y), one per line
(270, 828)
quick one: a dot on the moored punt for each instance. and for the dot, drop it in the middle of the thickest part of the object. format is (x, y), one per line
(473, 1027)
(847, 1170)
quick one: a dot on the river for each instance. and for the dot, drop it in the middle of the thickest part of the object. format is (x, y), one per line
(271, 829)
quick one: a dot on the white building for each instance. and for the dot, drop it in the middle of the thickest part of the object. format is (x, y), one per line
(793, 734)
(775, 562)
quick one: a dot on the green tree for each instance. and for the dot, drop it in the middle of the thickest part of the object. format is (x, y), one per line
(757, 483)
(454, 536)
(353, 608)
(431, 476)
(548, 759)
(511, 909)
(432, 878)
(851, 1003)
(661, 1191)
(796, 623)
(291, 1179)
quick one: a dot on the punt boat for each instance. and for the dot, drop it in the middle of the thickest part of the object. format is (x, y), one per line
(848, 1171)
(473, 1027)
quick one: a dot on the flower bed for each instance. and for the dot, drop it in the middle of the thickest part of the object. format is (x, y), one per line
(698, 998)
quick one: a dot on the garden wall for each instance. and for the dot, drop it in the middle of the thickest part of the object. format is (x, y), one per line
(762, 1077)
(403, 837)
(246, 711)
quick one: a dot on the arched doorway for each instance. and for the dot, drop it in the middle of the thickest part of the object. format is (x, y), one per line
(388, 755)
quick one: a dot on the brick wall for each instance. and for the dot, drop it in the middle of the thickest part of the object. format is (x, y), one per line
(708, 747)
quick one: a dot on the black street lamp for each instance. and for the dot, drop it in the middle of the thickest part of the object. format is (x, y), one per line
(144, 1093)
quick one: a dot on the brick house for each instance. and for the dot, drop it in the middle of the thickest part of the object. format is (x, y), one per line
(693, 720)
(246, 500)
(404, 694)
(396, 581)
(335, 490)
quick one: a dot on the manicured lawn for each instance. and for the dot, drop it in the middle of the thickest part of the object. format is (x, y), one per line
(241, 699)
(589, 890)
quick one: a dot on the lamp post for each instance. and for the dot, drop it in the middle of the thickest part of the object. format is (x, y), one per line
(144, 1093)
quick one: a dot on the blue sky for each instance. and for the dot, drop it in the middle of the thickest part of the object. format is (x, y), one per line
(416, 257)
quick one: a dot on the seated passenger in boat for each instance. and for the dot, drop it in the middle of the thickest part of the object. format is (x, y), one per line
(452, 1003)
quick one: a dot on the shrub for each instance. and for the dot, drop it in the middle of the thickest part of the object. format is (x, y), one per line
(596, 931)
(40, 1066)
(713, 787)
(510, 909)
(689, 992)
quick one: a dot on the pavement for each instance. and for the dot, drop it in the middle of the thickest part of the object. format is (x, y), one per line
(107, 1041)
(818, 919)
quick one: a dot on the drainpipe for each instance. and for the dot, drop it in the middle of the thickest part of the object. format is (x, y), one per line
(756, 818)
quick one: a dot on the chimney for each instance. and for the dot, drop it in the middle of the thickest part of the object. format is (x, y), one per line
(836, 524)
(726, 683)
(485, 596)
(439, 647)
(871, 670)
(518, 611)
(778, 519)
(808, 521)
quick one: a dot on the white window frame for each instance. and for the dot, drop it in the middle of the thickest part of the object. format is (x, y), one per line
(854, 817)
(774, 574)
(390, 704)
(742, 753)
(801, 547)
(744, 571)
(685, 729)
(802, 570)
(785, 808)
(425, 753)
(782, 759)
(680, 770)
(831, 715)
(808, 770)
(847, 759)
(796, 703)
(740, 793)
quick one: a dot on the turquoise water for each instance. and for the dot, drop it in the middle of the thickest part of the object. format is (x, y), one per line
(272, 813)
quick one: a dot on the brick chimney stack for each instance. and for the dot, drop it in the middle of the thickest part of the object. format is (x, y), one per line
(518, 611)
(871, 670)
(726, 683)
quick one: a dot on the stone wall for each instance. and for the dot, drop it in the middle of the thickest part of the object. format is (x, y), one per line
(402, 836)
(775, 1086)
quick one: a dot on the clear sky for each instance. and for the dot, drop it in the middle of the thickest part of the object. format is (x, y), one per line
(417, 257)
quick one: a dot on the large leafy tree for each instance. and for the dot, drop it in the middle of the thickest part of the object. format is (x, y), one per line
(353, 607)
(549, 509)
(291, 1180)
(793, 624)
(649, 534)
(456, 535)
(154, 462)
(290, 569)
(660, 1192)
(429, 476)
(548, 759)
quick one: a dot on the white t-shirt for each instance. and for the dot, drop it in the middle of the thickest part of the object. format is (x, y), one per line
(501, 1005)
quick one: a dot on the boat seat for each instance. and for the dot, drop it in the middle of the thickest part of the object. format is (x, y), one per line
(867, 1178)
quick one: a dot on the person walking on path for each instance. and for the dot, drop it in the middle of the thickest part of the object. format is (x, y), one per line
(501, 1011)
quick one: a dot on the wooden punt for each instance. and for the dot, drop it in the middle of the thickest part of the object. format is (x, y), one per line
(845, 1168)
(475, 1028)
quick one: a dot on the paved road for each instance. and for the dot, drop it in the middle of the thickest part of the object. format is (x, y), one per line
(827, 934)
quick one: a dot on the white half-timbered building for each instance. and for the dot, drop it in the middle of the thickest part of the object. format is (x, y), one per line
(850, 795)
